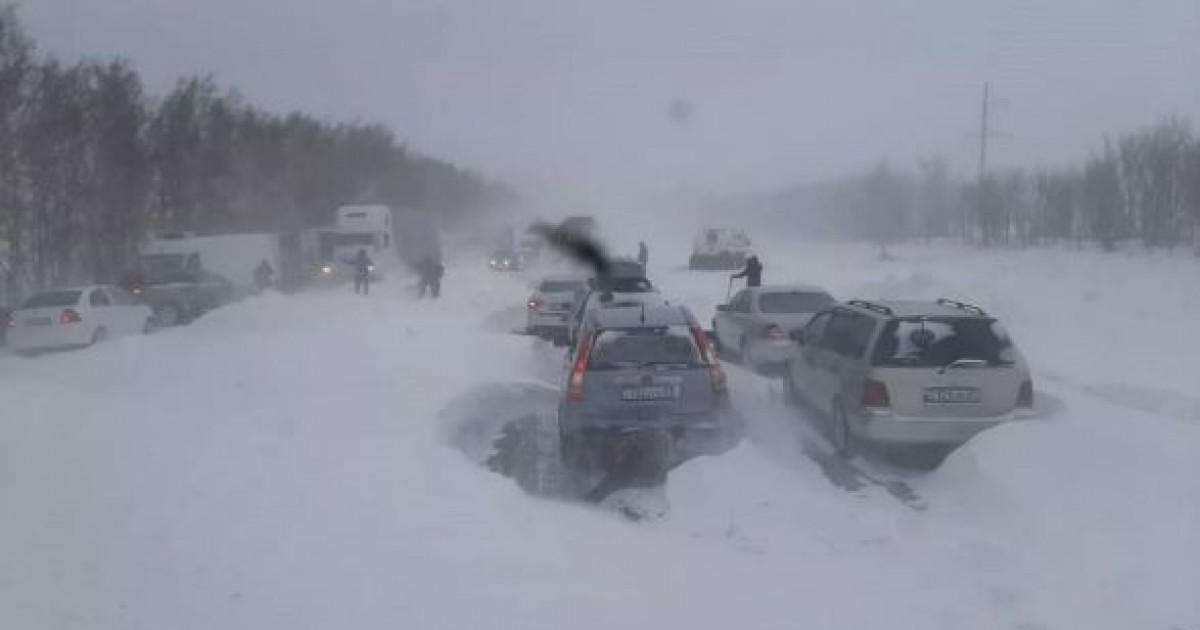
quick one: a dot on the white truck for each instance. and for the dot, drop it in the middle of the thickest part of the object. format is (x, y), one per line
(356, 228)
(231, 256)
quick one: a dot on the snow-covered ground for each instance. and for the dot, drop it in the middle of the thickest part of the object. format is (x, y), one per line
(310, 462)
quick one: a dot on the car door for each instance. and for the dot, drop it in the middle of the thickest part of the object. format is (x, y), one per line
(843, 367)
(803, 366)
(100, 308)
(132, 316)
(725, 325)
(739, 317)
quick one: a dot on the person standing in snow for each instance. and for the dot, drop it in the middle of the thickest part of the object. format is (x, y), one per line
(643, 256)
(752, 272)
(362, 272)
(263, 275)
(431, 272)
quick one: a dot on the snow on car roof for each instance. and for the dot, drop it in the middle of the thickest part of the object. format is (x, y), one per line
(929, 308)
(782, 288)
(634, 316)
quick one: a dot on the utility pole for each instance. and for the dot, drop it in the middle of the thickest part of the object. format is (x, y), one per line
(984, 132)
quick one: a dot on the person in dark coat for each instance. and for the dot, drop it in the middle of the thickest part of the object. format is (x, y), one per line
(643, 256)
(264, 275)
(752, 272)
(431, 272)
(362, 272)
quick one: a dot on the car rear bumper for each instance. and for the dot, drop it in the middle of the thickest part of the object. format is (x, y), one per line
(886, 427)
(547, 321)
(25, 340)
(770, 352)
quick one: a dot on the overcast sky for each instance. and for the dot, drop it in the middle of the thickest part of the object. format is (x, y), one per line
(578, 96)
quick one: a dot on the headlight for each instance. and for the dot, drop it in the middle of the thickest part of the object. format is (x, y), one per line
(326, 269)
(370, 267)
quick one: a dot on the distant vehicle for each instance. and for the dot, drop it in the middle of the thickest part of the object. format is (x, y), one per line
(756, 324)
(719, 249)
(549, 309)
(644, 392)
(365, 227)
(76, 317)
(919, 377)
(231, 256)
(505, 260)
(179, 296)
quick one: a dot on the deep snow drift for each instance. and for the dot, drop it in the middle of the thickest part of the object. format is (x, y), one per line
(312, 462)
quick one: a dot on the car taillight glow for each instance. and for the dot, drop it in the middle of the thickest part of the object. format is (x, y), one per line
(1025, 394)
(69, 316)
(875, 394)
(575, 382)
(775, 333)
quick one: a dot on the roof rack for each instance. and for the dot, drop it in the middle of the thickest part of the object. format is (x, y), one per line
(962, 306)
(871, 306)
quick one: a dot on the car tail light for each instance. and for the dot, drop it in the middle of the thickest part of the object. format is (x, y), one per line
(775, 333)
(533, 304)
(575, 382)
(716, 375)
(1025, 394)
(875, 394)
(69, 316)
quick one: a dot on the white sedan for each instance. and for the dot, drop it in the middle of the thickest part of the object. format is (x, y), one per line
(76, 317)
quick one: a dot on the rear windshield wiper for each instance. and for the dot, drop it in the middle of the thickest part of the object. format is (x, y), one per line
(963, 363)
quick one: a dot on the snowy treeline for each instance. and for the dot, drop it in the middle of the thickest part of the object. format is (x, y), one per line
(1143, 187)
(89, 164)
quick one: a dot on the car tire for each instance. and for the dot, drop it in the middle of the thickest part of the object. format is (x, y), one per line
(99, 336)
(149, 326)
(169, 315)
(791, 395)
(842, 437)
(744, 354)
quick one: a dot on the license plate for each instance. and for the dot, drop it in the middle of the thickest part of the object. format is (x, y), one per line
(952, 396)
(38, 321)
(652, 392)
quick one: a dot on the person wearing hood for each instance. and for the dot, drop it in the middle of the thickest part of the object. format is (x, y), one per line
(752, 272)
(362, 272)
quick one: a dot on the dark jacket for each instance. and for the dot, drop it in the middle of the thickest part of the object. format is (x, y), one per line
(431, 270)
(752, 272)
(361, 263)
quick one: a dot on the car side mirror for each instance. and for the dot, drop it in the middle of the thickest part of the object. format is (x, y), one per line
(724, 308)
(797, 336)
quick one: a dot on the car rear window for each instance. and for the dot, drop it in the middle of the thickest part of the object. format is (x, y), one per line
(560, 286)
(51, 299)
(636, 347)
(793, 302)
(938, 342)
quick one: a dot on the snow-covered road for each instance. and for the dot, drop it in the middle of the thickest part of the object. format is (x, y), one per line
(289, 463)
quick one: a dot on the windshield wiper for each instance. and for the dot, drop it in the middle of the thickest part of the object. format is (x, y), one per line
(964, 363)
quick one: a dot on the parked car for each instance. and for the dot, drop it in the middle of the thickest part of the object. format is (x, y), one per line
(549, 309)
(644, 390)
(920, 377)
(717, 248)
(179, 296)
(757, 322)
(505, 260)
(76, 317)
